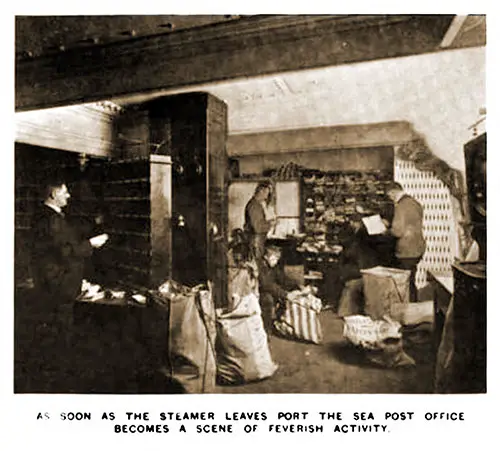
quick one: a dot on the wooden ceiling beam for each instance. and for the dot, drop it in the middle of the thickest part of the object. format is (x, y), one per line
(320, 138)
(453, 30)
(253, 46)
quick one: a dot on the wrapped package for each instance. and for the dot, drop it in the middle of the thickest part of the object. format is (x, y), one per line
(191, 342)
(242, 346)
(299, 319)
(413, 313)
(367, 333)
(381, 340)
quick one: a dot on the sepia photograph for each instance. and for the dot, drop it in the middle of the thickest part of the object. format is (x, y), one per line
(250, 204)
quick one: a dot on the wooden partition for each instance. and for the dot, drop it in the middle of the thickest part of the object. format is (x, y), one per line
(187, 202)
(137, 195)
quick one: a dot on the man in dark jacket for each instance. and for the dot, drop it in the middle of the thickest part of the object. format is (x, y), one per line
(407, 227)
(359, 252)
(256, 225)
(274, 285)
(58, 251)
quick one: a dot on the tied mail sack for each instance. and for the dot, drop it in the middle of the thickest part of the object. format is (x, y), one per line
(299, 318)
(383, 288)
(192, 331)
(242, 347)
(242, 281)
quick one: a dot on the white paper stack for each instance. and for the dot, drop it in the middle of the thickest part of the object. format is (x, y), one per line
(374, 225)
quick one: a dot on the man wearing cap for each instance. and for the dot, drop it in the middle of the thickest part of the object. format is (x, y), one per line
(256, 225)
(274, 285)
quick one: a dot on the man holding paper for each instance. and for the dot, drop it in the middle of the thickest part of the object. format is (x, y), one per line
(360, 251)
(258, 222)
(58, 251)
(407, 227)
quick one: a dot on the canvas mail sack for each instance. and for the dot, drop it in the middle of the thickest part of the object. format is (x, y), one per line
(242, 281)
(383, 287)
(299, 319)
(191, 341)
(242, 346)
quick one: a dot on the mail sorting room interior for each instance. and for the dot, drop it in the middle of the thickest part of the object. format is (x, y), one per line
(193, 231)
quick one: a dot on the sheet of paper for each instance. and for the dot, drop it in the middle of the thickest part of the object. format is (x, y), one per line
(284, 227)
(374, 225)
(99, 239)
(270, 212)
(288, 199)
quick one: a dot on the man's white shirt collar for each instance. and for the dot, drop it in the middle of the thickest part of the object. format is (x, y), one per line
(54, 207)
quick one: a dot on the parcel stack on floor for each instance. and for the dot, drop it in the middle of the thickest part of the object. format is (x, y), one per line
(338, 367)
(386, 314)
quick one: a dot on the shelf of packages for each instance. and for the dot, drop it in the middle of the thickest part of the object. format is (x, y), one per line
(344, 177)
(330, 200)
(313, 215)
(326, 199)
(329, 231)
(360, 188)
(316, 266)
(330, 191)
(315, 261)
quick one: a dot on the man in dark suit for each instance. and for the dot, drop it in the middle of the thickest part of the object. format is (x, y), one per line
(407, 227)
(58, 252)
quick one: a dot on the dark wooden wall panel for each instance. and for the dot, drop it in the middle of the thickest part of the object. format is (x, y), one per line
(192, 130)
(217, 173)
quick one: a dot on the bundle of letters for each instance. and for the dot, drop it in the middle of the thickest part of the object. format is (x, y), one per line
(299, 317)
(91, 292)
